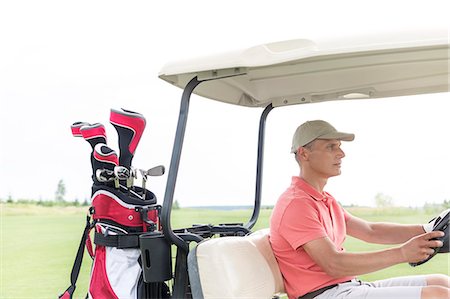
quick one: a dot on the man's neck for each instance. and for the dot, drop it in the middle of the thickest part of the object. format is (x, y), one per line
(316, 182)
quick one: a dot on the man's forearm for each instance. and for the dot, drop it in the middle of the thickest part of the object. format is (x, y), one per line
(347, 264)
(392, 233)
(340, 263)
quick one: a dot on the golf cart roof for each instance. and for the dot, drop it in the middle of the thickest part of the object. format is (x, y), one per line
(303, 71)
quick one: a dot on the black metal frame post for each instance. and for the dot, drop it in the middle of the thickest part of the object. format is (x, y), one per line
(181, 280)
(174, 164)
(259, 167)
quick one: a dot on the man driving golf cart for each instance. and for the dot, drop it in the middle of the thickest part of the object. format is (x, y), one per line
(308, 228)
(299, 72)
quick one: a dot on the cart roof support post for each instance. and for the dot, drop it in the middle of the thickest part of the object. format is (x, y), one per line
(259, 167)
(175, 162)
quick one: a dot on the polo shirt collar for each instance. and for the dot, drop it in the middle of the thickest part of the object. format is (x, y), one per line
(302, 184)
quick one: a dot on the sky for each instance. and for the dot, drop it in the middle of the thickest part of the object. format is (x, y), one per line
(68, 61)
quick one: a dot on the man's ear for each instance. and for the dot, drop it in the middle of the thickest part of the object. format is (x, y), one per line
(302, 154)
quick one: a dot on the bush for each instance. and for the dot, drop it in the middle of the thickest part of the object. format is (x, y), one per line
(45, 203)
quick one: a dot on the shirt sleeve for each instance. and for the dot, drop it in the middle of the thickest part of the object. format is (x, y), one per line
(347, 215)
(301, 223)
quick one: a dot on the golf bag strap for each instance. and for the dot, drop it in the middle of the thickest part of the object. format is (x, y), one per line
(118, 241)
(77, 264)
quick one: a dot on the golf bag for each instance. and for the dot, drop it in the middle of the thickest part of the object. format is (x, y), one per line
(124, 219)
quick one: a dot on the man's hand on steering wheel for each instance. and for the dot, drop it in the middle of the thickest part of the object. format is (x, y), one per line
(439, 223)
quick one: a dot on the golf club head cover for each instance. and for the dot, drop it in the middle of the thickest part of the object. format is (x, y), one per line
(103, 158)
(440, 223)
(130, 126)
(76, 126)
(93, 134)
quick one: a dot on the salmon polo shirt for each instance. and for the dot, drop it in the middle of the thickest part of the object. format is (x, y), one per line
(302, 214)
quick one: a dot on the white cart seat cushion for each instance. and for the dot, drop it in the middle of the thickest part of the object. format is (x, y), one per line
(235, 267)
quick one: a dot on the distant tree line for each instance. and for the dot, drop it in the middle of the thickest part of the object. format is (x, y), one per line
(382, 201)
(385, 201)
(58, 200)
(47, 203)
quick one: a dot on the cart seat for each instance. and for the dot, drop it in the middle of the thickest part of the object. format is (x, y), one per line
(235, 267)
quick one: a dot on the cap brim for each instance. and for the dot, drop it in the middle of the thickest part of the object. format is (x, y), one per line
(334, 135)
(338, 136)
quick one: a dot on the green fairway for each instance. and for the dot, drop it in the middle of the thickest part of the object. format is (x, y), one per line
(38, 245)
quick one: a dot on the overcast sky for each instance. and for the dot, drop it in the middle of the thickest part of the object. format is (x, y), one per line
(67, 61)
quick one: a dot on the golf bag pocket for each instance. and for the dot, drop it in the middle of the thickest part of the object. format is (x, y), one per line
(116, 272)
(131, 213)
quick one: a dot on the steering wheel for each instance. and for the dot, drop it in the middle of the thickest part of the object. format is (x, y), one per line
(441, 224)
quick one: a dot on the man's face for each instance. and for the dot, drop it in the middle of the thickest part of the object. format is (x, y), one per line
(323, 158)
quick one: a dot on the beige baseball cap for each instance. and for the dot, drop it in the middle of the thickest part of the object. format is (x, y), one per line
(317, 129)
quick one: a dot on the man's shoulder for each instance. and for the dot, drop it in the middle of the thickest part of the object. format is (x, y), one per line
(295, 190)
(292, 201)
(295, 195)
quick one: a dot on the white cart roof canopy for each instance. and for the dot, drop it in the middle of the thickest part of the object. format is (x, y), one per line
(303, 71)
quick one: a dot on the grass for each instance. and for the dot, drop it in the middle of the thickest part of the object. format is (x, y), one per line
(38, 245)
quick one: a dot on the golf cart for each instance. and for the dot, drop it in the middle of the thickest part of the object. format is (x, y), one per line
(228, 260)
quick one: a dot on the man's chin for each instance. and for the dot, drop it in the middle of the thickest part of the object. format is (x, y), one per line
(336, 173)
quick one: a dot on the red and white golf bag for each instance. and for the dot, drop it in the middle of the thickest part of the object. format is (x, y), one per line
(116, 272)
(124, 219)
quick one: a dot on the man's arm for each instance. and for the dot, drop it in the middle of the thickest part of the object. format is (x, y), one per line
(381, 232)
(340, 263)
